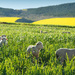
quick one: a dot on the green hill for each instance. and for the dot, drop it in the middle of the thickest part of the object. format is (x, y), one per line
(6, 12)
(34, 14)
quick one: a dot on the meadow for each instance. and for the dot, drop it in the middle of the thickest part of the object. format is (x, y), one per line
(14, 59)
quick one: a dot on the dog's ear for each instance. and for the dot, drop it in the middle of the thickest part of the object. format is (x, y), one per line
(3, 35)
(39, 43)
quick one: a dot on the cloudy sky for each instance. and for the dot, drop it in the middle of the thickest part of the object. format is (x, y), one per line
(24, 4)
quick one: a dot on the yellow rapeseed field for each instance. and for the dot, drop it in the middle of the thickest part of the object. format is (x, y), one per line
(57, 21)
(9, 19)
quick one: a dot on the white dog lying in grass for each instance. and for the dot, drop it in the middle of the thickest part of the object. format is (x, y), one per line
(3, 40)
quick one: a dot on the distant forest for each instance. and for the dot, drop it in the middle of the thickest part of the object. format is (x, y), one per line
(34, 14)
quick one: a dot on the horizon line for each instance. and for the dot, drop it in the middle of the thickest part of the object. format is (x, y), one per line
(40, 6)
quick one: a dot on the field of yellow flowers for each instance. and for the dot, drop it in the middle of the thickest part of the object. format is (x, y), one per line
(57, 21)
(9, 19)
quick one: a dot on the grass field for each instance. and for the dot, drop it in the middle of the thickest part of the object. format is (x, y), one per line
(9, 19)
(13, 57)
(57, 21)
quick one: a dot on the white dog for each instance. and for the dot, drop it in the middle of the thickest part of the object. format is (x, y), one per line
(35, 49)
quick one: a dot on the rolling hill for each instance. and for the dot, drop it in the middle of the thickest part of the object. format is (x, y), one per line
(34, 14)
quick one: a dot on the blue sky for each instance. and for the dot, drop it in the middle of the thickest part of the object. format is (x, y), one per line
(24, 4)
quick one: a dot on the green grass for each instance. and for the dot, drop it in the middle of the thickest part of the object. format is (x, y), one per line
(14, 59)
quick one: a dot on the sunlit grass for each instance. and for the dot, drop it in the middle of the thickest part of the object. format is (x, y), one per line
(9, 19)
(57, 21)
(14, 59)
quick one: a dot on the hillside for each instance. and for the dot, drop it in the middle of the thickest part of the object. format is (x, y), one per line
(6, 12)
(34, 14)
(63, 10)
